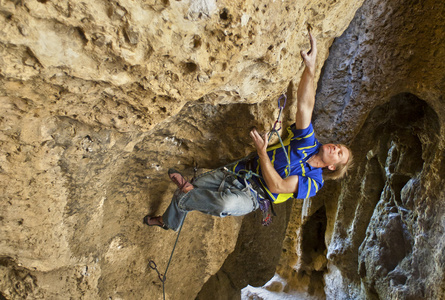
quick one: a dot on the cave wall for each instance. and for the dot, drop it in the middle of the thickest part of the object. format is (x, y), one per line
(381, 92)
(381, 249)
(99, 98)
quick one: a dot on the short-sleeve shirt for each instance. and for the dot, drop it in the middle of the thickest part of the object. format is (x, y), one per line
(300, 145)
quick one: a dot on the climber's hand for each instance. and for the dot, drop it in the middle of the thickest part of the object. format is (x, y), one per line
(260, 142)
(310, 56)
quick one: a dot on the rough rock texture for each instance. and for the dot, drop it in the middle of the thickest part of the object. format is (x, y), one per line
(382, 92)
(99, 98)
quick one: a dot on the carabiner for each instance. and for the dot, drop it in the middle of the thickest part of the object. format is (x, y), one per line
(279, 101)
(153, 265)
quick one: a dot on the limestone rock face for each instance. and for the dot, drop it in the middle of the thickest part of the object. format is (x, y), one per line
(99, 98)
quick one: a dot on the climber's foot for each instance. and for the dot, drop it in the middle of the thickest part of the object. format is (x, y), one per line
(155, 221)
(180, 181)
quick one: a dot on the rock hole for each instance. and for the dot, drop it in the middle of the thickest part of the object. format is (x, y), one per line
(224, 15)
(362, 269)
(190, 67)
(197, 42)
(82, 35)
(283, 53)
(397, 278)
(394, 245)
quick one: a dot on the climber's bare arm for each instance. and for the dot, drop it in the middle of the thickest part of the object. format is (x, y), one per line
(306, 88)
(274, 182)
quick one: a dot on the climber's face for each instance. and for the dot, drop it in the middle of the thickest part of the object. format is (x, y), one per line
(334, 155)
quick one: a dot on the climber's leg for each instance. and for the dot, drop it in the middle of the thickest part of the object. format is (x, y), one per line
(216, 193)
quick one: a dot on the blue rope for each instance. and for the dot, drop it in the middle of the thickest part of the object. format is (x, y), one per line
(284, 150)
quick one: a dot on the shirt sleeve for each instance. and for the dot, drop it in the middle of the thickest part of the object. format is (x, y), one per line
(302, 133)
(307, 187)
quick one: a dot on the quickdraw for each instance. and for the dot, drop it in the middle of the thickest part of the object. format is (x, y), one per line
(247, 174)
(281, 107)
(275, 130)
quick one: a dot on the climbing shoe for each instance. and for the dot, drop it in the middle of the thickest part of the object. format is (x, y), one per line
(154, 221)
(183, 185)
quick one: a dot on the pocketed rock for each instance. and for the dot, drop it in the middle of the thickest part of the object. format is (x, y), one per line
(99, 99)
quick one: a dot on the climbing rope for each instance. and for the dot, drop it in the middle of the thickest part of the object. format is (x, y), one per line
(152, 264)
(275, 130)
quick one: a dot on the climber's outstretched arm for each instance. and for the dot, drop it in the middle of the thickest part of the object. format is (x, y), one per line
(306, 88)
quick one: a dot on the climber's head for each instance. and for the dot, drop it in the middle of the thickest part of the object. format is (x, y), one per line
(337, 158)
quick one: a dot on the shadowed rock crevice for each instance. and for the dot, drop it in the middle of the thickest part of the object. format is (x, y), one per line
(313, 232)
(314, 251)
(16, 280)
(400, 138)
(254, 258)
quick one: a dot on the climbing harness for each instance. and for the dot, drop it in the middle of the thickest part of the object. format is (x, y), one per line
(153, 266)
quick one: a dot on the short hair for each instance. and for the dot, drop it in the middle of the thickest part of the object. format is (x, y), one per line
(341, 170)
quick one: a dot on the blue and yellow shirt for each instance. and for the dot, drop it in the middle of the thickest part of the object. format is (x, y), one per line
(300, 145)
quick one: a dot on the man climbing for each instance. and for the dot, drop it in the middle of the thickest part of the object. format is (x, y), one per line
(293, 170)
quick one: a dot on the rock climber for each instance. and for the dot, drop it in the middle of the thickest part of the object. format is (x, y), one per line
(295, 169)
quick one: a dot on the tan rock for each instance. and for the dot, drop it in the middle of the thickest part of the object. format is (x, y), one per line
(99, 99)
